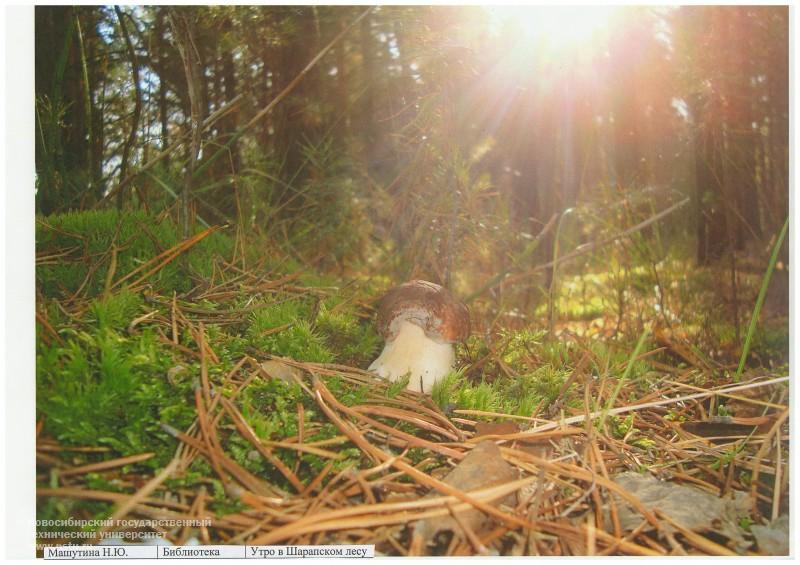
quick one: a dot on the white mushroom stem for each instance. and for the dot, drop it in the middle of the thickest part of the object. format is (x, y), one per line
(411, 351)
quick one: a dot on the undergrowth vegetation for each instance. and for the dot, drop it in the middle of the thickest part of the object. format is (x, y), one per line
(76, 250)
(120, 366)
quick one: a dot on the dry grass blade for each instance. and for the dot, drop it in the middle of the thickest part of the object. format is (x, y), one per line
(162, 259)
(635, 407)
(406, 416)
(244, 477)
(250, 435)
(420, 477)
(350, 460)
(411, 439)
(105, 465)
(107, 496)
(761, 452)
(370, 515)
(140, 495)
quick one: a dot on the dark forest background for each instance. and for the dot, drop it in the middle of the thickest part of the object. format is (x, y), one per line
(433, 142)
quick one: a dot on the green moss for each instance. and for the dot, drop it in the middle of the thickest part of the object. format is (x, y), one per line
(83, 242)
(105, 388)
(520, 347)
(480, 397)
(540, 386)
(222, 504)
(104, 385)
(519, 395)
(353, 341)
(115, 311)
(398, 386)
(269, 407)
(446, 389)
(289, 328)
(61, 510)
(282, 328)
(347, 393)
(620, 426)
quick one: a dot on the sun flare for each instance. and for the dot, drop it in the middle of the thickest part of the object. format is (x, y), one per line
(555, 28)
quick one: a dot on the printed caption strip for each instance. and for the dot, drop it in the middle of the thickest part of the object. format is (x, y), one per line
(71, 552)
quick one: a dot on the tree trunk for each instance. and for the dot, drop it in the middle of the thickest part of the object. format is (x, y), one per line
(62, 141)
(137, 103)
(367, 109)
(711, 224)
(228, 124)
(183, 26)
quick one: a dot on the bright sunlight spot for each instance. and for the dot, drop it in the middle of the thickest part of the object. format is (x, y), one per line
(556, 28)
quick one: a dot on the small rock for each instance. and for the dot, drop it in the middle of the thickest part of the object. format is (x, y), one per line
(773, 539)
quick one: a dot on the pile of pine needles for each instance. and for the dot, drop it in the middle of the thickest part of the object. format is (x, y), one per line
(567, 501)
(565, 465)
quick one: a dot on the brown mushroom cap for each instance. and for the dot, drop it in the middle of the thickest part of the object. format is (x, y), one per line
(427, 305)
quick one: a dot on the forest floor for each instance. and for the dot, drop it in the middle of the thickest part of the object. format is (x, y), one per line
(185, 395)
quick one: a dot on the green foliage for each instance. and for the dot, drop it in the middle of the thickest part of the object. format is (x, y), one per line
(611, 358)
(746, 477)
(353, 341)
(398, 386)
(269, 407)
(520, 395)
(619, 426)
(643, 443)
(102, 387)
(195, 475)
(540, 385)
(311, 210)
(106, 385)
(520, 346)
(223, 504)
(280, 329)
(287, 328)
(771, 341)
(760, 300)
(622, 428)
(95, 481)
(83, 242)
(446, 388)
(49, 508)
(626, 375)
(673, 416)
(115, 311)
(558, 353)
(727, 457)
(482, 396)
(345, 392)
(57, 183)
(745, 522)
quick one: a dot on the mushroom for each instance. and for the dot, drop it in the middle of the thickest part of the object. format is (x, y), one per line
(420, 321)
